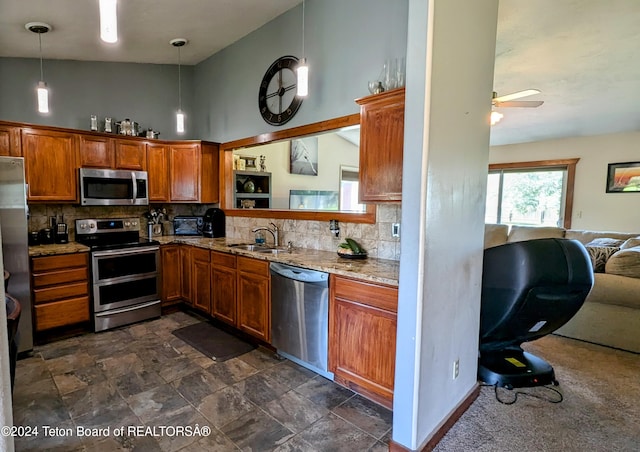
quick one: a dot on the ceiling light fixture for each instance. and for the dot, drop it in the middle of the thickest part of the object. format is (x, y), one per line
(109, 21)
(496, 117)
(179, 42)
(302, 70)
(42, 91)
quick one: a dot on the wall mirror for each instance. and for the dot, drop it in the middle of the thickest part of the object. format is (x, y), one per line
(308, 172)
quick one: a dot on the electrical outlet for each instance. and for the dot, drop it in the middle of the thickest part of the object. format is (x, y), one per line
(456, 368)
(395, 230)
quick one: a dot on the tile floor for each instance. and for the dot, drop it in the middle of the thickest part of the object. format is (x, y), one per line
(143, 376)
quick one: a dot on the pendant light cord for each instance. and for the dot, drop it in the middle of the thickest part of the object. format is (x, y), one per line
(179, 83)
(303, 28)
(40, 42)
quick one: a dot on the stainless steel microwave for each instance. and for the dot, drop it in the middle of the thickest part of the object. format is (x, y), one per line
(104, 187)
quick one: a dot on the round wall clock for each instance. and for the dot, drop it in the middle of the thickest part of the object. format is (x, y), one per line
(277, 98)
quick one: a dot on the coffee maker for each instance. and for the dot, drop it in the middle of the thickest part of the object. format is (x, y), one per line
(213, 223)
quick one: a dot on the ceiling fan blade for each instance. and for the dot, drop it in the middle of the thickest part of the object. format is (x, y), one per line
(516, 95)
(519, 103)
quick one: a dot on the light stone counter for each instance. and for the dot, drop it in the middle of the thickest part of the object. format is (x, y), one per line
(375, 270)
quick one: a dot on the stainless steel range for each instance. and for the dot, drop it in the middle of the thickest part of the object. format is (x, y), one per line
(125, 271)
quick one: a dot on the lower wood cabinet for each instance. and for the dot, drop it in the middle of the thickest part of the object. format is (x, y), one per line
(362, 336)
(60, 290)
(171, 274)
(201, 279)
(185, 273)
(254, 297)
(223, 287)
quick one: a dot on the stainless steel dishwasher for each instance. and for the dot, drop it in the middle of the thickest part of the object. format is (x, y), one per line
(300, 316)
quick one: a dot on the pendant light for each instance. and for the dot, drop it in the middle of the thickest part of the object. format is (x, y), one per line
(302, 70)
(41, 89)
(109, 20)
(179, 42)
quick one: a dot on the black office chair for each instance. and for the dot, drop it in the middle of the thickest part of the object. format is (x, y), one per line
(529, 290)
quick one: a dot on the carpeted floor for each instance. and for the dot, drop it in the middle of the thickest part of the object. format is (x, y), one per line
(600, 411)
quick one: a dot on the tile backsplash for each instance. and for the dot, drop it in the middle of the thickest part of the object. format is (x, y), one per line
(375, 238)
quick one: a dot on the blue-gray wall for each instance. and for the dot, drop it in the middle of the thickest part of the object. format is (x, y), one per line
(346, 44)
(146, 93)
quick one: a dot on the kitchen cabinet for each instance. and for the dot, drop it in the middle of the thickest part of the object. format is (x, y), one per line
(223, 287)
(171, 289)
(193, 172)
(381, 146)
(130, 154)
(10, 144)
(96, 151)
(185, 273)
(201, 279)
(158, 172)
(362, 336)
(254, 297)
(60, 290)
(50, 165)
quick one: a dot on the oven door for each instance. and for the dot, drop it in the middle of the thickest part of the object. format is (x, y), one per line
(125, 277)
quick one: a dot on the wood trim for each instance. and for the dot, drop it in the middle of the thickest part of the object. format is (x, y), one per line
(445, 426)
(569, 164)
(227, 184)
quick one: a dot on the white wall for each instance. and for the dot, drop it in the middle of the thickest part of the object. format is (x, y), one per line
(593, 208)
(450, 54)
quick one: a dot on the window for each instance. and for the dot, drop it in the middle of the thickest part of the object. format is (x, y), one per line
(531, 193)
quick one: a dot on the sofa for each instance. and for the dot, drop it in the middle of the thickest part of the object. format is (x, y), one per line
(610, 315)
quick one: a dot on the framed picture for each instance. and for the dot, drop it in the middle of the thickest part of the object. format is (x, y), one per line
(249, 162)
(623, 177)
(304, 156)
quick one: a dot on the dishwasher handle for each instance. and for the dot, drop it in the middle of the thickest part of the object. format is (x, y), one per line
(298, 274)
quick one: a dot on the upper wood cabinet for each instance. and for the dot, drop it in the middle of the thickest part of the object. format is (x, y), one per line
(50, 165)
(362, 336)
(381, 146)
(254, 297)
(10, 145)
(130, 155)
(193, 172)
(96, 152)
(158, 172)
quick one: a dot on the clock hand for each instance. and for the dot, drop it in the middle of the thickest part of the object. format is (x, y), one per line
(275, 93)
(290, 87)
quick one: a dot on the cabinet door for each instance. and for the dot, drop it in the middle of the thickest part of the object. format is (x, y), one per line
(362, 337)
(10, 141)
(170, 255)
(131, 155)
(254, 298)
(184, 170)
(381, 146)
(50, 165)
(96, 152)
(185, 271)
(223, 287)
(158, 172)
(201, 277)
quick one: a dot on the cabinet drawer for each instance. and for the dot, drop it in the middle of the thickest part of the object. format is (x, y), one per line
(376, 295)
(255, 266)
(61, 313)
(199, 254)
(62, 261)
(223, 260)
(60, 277)
(59, 292)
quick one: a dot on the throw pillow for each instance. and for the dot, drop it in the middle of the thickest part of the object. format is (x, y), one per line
(604, 241)
(600, 255)
(625, 263)
(630, 243)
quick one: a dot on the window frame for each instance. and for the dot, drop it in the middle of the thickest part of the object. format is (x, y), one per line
(566, 164)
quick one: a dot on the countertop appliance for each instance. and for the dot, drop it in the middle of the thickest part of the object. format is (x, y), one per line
(104, 187)
(187, 225)
(125, 271)
(300, 316)
(15, 250)
(213, 223)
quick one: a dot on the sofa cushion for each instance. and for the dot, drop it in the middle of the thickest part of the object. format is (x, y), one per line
(630, 243)
(625, 263)
(586, 236)
(521, 233)
(606, 241)
(600, 255)
(495, 234)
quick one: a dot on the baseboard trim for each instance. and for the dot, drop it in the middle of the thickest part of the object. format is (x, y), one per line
(433, 441)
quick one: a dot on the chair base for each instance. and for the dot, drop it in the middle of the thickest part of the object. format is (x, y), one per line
(514, 368)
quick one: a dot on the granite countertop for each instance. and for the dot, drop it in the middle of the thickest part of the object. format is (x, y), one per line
(383, 271)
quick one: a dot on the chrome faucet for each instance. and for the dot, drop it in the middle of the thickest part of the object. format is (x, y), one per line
(275, 232)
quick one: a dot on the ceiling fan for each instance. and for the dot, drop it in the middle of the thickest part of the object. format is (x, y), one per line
(508, 100)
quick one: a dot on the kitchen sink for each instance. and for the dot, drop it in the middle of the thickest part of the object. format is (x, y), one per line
(272, 250)
(250, 247)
